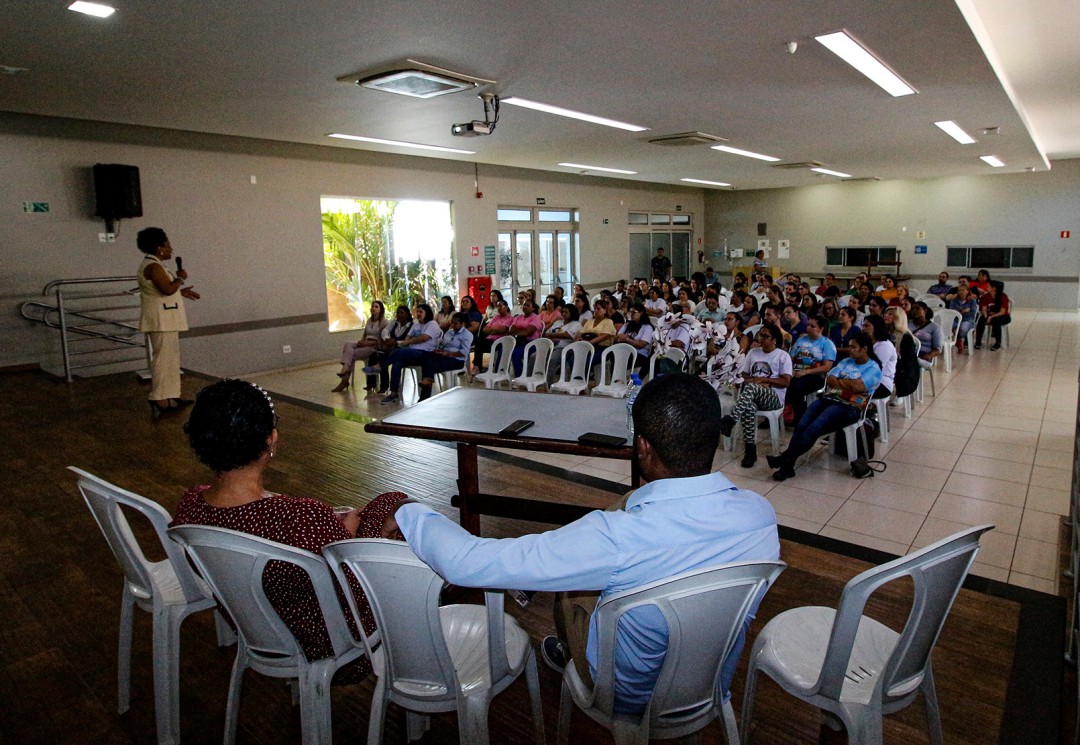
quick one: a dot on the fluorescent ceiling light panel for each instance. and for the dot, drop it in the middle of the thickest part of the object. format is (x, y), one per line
(397, 143)
(92, 9)
(702, 181)
(844, 46)
(597, 168)
(827, 172)
(558, 111)
(744, 153)
(991, 160)
(952, 129)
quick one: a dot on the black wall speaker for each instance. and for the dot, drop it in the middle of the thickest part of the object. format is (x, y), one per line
(118, 192)
(762, 228)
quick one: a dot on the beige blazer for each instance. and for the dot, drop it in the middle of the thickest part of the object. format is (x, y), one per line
(159, 312)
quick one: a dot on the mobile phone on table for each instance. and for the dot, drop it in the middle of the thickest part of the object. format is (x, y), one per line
(516, 428)
(606, 441)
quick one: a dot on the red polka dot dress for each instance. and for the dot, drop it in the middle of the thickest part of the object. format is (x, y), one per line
(307, 524)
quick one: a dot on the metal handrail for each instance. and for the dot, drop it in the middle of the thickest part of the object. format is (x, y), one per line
(43, 313)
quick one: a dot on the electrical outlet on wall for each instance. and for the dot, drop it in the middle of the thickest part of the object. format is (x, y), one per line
(287, 349)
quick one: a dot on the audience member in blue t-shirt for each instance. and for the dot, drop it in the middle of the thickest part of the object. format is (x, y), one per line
(812, 357)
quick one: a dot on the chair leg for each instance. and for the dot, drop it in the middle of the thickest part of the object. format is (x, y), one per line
(123, 662)
(532, 679)
(236, 683)
(416, 725)
(566, 711)
(166, 667)
(933, 713)
(627, 733)
(933, 384)
(473, 719)
(377, 717)
(316, 722)
(226, 637)
(731, 728)
(749, 691)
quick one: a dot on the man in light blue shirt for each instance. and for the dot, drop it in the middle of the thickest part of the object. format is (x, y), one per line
(449, 354)
(684, 518)
(710, 310)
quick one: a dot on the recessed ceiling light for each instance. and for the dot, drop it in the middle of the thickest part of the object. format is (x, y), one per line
(991, 160)
(702, 181)
(744, 153)
(397, 143)
(597, 168)
(559, 111)
(844, 46)
(92, 9)
(11, 70)
(827, 172)
(952, 129)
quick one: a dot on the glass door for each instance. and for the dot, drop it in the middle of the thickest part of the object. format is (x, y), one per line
(546, 259)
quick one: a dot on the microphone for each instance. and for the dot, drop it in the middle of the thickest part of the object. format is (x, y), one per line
(179, 264)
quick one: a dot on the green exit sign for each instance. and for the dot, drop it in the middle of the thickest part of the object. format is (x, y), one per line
(35, 206)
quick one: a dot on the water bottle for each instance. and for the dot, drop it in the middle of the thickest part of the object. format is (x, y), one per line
(631, 393)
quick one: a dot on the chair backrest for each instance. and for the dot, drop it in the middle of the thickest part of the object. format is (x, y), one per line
(622, 363)
(404, 595)
(937, 573)
(949, 322)
(232, 563)
(752, 330)
(932, 300)
(500, 356)
(704, 610)
(538, 358)
(674, 354)
(105, 501)
(582, 352)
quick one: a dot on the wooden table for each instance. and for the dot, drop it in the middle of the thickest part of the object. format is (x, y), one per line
(472, 417)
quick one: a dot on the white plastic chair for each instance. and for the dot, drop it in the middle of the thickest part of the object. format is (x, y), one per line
(775, 418)
(168, 589)
(499, 369)
(933, 301)
(233, 563)
(704, 610)
(537, 357)
(621, 357)
(434, 659)
(852, 433)
(574, 380)
(674, 354)
(855, 667)
(882, 409)
(949, 323)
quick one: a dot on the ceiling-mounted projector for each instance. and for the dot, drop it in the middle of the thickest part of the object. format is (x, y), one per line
(475, 128)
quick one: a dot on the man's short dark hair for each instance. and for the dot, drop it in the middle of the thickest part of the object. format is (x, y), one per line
(149, 239)
(679, 415)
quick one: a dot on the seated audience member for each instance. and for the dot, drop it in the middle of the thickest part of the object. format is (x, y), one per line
(654, 305)
(451, 353)
(735, 327)
(849, 386)
(525, 327)
(829, 280)
(392, 335)
(853, 288)
(738, 282)
(942, 288)
(997, 315)
(902, 293)
(446, 312)
(682, 504)
(710, 309)
(367, 345)
(559, 292)
(876, 306)
(864, 294)
(908, 369)
(771, 315)
(233, 431)
(493, 305)
(638, 333)
(422, 337)
(808, 305)
(581, 302)
(793, 321)
(774, 299)
(962, 281)
(855, 304)
(884, 352)
(598, 331)
(494, 329)
(711, 278)
(812, 356)
(563, 332)
(968, 308)
(830, 311)
(474, 316)
(928, 333)
(620, 290)
(749, 311)
(981, 284)
(766, 373)
(843, 333)
(685, 304)
(906, 304)
(887, 289)
(550, 313)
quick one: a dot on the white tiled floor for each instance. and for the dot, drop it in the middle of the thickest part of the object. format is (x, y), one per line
(994, 445)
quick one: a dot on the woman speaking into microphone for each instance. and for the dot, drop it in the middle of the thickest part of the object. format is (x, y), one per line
(162, 318)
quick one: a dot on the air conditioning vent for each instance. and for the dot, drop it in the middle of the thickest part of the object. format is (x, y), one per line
(416, 79)
(685, 139)
(861, 178)
(805, 164)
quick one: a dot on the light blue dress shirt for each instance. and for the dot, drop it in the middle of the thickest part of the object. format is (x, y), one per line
(668, 527)
(456, 342)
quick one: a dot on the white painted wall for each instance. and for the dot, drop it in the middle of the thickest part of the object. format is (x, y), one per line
(1005, 209)
(254, 251)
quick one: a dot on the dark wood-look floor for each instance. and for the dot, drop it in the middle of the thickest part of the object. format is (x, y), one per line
(60, 586)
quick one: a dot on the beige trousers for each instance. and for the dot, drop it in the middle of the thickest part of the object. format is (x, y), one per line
(164, 365)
